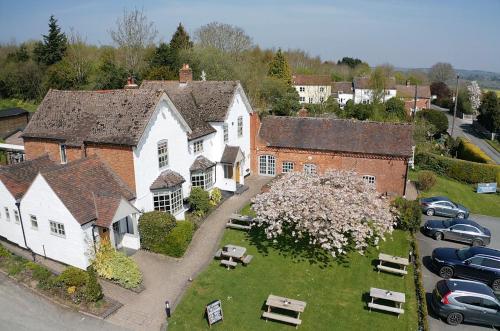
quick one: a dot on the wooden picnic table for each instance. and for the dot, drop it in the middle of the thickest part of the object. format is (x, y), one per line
(396, 297)
(399, 261)
(296, 306)
(233, 251)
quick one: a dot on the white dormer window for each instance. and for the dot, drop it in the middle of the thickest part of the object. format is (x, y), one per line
(240, 126)
(163, 154)
(62, 151)
(322, 89)
(198, 146)
(302, 89)
(226, 132)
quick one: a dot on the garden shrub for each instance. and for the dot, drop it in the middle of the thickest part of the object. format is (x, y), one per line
(436, 118)
(426, 179)
(153, 227)
(116, 266)
(39, 273)
(461, 170)
(72, 276)
(93, 290)
(409, 214)
(468, 151)
(215, 197)
(199, 201)
(177, 241)
(4, 252)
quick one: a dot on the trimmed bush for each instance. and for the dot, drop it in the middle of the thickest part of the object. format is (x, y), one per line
(153, 227)
(215, 197)
(93, 290)
(463, 171)
(426, 179)
(177, 241)
(116, 266)
(436, 118)
(468, 151)
(409, 214)
(199, 201)
(72, 276)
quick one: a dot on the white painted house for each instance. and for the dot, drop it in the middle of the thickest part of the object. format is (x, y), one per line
(364, 92)
(312, 88)
(342, 92)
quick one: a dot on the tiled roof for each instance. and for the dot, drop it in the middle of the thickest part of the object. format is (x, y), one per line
(167, 179)
(12, 112)
(89, 189)
(349, 136)
(313, 80)
(230, 154)
(18, 177)
(201, 163)
(115, 117)
(364, 83)
(408, 91)
(344, 87)
(198, 102)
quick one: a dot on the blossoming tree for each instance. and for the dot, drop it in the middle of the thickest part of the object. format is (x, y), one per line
(474, 95)
(331, 211)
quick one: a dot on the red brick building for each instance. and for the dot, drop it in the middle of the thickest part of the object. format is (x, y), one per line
(377, 151)
(408, 92)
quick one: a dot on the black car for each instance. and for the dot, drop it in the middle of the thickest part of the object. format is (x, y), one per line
(458, 230)
(476, 263)
(460, 301)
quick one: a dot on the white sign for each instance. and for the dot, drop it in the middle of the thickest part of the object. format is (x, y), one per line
(214, 312)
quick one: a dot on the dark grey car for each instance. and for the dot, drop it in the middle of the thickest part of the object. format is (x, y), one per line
(458, 230)
(443, 206)
(460, 301)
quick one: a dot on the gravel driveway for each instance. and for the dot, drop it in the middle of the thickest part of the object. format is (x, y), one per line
(427, 244)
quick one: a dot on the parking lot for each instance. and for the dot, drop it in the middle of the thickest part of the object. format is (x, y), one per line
(427, 244)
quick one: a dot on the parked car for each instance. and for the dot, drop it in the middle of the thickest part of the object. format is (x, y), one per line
(476, 263)
(442, 206)
(459, 230)
(460, 301)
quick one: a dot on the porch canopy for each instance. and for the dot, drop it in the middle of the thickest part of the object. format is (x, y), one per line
(201, 163)
(232, 155)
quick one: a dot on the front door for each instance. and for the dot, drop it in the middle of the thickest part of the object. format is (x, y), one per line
(117, 234)
(237, 173)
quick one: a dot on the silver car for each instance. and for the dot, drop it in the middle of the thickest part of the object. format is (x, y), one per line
(458, 230)
(442, 206)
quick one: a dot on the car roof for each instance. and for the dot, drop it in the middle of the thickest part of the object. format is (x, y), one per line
(467, 222)
(435, 199)
(485, 251)
(469, 286)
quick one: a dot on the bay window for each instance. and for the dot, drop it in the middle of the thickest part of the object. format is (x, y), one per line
(169, 201)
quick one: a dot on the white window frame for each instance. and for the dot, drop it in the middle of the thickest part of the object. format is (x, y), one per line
(287, 166)
(169, 200)
(162, 150)
(7, 214)
(311, 100)
(17, 219)
(267, 165)
(322, 89)
(310, 168)
(203, 178)
(369, 179)
(240, 126)
(34, 222)
(198, 146)
(302, 99)
(57, 229)
(63, 153)
(321, 99)
(225, 132)
(302, 89)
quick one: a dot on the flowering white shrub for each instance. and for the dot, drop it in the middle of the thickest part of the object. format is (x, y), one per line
(332, 211)
(474, 95)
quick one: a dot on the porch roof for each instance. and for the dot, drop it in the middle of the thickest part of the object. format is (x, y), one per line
(230, 154)
(201, 163)
(167, 179)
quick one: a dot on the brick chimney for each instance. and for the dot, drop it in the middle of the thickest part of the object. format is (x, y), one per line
(185, 74)
(130, 83)
(303, 112)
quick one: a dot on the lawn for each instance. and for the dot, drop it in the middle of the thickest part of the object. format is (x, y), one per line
(493, 143)
(336, 294)
(16, 103)
(484, 204)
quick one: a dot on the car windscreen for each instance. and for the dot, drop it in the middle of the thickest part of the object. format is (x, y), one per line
(442, 288)
(447, 223)
(464, 253)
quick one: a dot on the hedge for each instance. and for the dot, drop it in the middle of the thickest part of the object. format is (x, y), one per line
(463, 171)
(153, 227)
(409, 214)
(470, 152)
(199, 200)
(177, 241)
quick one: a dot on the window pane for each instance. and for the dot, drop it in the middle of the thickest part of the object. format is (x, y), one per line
(226, 132)
(309, 168)
(168, 201)
(240, 126)
(288, 166)
(163, 154)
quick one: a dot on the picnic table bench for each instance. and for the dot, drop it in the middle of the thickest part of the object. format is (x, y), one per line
(394, 260)
(396, 297)
(230, 254)
(296, 306)
(240, 222)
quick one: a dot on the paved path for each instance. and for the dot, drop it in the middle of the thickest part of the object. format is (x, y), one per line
(166, 278)
(21, 309)
(463, 129)
(430, 278)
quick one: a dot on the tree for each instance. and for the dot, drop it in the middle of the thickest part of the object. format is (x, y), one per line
(278, 68)
(380, 79)
(109, 75)
(396, 107)
(162, 63)
(281, 98)
(225, 37)
(54, 45)
(474, 96)
(134, 32)
(441, 72)
(489, 111)
(180, 39)
(437, 118)
(463, 103)
(440, 90)
(336, 211)
(349, 61)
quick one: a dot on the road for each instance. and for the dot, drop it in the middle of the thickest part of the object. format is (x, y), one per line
(426, 245)
(465, 130)
(22, 310)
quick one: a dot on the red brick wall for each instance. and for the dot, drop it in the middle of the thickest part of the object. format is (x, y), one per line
(38, 147)
(421, 104)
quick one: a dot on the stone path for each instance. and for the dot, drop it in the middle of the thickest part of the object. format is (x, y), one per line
(166, 278)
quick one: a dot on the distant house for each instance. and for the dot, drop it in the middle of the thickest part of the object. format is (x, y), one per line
(379, 152)
(13, 147)
(364, 92)
(312, 88)
(342, 92)
(12, 119)
(422, 94)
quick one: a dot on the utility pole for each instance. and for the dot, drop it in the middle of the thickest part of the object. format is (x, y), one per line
(455, 109)
(415, 101)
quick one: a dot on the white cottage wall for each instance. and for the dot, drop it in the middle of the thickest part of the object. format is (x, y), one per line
(9, 229)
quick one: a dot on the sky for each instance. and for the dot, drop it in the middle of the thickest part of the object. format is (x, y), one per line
(404, 33)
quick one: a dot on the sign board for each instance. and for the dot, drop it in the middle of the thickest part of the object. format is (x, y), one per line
(486, 188)
(214, 312)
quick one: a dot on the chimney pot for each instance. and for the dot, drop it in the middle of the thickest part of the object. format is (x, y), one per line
(131, 83)
(185, 74)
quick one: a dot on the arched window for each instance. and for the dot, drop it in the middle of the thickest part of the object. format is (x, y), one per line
(267, 165)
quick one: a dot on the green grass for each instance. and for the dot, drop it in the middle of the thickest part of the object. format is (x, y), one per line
(484, 204)
(16, 103)
(336, 294)
(496, 91)
(493, 143)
